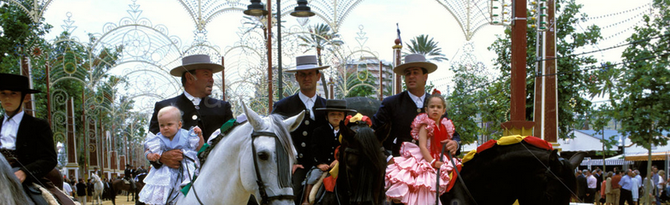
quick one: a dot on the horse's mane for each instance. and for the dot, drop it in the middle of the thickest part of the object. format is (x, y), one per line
(370, 147)
(11, 191)
(284, 150)
(372, 166)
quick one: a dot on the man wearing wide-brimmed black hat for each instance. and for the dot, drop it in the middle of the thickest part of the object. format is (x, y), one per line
(307, 74)
(401, 109)
(197, 108)
(25, 141)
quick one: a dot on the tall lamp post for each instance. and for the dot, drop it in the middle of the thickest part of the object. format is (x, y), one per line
(256, 9)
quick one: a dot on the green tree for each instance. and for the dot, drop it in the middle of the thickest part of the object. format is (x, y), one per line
(571, 79)
(423, 44)
(642, 92)
(600, 117)
(359, 84)
(19, 35)
(321, 37)
(466, 101)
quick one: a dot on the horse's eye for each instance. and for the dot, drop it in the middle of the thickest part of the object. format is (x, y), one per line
(263, 156)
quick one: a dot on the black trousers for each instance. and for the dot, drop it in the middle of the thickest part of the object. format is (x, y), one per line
(626, 195)
(298, 177)
(591, 196)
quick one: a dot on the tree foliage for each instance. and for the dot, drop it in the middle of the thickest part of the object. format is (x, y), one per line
(643, 92)
(571, 79)
(321, 37)
(466, 102)
(424, 44)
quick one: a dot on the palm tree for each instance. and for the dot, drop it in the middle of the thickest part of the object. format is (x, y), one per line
(423, 44)
(320, 38)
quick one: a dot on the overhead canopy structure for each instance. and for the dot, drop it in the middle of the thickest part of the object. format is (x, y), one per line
(612, 161)
(655, 156)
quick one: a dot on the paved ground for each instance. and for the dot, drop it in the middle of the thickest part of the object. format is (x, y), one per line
(120, 200)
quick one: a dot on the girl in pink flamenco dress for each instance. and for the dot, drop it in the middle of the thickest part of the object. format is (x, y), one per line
(411, 179)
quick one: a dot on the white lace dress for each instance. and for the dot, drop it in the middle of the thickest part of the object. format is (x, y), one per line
(162, 185)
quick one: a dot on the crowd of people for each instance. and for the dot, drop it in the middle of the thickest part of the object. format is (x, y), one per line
(83, 191)
(622, 187)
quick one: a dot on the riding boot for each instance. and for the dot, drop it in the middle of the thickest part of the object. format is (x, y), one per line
(305, 199)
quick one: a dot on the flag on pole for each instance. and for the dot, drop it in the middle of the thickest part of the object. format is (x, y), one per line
(396, 24)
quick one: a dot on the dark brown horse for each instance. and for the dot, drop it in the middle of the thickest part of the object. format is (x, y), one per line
(119, 185)
(361, 167)
(504, 173)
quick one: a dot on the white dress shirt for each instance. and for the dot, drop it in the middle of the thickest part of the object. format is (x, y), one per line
(195, 100)
(309, 103)
(417, 100)
(10, 128)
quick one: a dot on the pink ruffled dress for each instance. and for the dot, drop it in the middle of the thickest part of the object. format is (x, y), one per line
(411, 179)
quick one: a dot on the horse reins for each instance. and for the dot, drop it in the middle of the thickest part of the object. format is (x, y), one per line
(552, 173)
(265, 199)
(458, 174)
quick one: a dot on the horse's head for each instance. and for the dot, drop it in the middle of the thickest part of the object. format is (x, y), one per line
(362, 163)
(266, 171)
(561, 180)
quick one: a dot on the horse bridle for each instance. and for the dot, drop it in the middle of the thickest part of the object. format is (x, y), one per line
(265, 199)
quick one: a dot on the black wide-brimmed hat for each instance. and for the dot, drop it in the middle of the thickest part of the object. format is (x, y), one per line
(336, 105)
(15, 83)
(194, 62)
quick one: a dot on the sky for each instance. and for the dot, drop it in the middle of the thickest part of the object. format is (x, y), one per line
(378, 19)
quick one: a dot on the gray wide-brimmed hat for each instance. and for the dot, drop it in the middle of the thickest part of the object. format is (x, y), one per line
(194, 62)
(336, 105)
(15, 82)
(306, 62)
(415, 60)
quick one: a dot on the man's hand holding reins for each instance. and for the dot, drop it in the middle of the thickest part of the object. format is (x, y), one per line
(452, 146)
(172, 158)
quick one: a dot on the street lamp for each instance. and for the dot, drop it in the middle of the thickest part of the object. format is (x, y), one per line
(256, 9)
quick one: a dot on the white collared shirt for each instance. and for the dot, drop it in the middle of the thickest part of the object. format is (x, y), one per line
(308, 102)
(335, 131)
(417, 100)
(10, 128)
(195, 100)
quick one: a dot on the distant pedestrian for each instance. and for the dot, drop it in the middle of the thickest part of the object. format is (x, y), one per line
(81, 191)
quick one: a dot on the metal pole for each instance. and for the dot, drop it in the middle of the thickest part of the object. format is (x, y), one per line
(518, 124)
(550, 93)
(49, 98)
(518, 87)
(539, 77)
(269, 39)
(397, 60)
(381, 80)
(223, 79)
(280, 86)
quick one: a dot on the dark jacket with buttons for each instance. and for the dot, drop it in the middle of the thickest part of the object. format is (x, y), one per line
(213, 113)
(34, 147)
(400, 110)
(302, 136)
(324, 143)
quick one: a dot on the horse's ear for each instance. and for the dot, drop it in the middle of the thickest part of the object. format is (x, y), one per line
(576, 159)
(293, 123)
(346, 132)
(253, 117)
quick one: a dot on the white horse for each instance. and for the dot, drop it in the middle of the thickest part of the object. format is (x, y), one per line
(255, 158)
(11, 191)
(97, 188)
